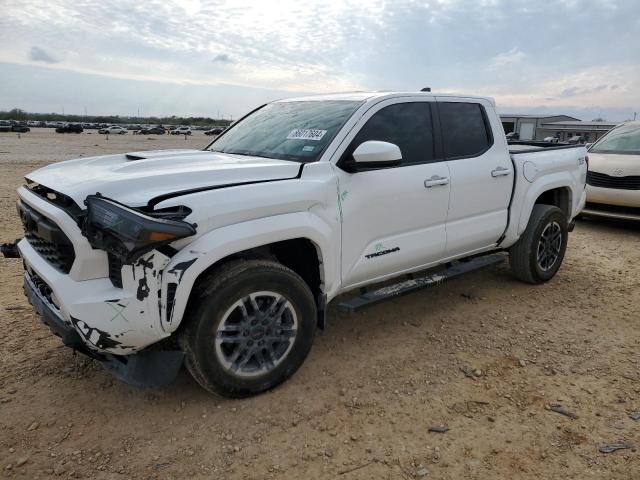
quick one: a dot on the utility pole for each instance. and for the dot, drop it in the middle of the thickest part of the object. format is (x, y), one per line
(635, 114)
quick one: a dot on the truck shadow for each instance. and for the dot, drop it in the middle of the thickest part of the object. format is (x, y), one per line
(384, 332)
(347, 342)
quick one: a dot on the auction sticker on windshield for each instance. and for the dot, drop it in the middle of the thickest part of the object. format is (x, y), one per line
(306, 134)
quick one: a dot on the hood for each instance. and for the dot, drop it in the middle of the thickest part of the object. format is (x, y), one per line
(137, 177)
(615, 165)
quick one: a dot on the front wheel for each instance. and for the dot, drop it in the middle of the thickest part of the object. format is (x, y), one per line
(251, 329)
(539, 252)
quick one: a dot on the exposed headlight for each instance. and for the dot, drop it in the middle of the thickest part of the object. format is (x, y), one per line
(127, 233)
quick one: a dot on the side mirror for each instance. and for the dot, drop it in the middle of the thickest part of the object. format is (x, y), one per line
(376, 154)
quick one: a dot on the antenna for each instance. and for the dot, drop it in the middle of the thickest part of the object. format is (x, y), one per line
(425, 89)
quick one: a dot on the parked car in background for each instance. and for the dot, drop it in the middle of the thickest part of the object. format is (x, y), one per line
(5, 126)
(234, 251)
(577, 139)
(551, 139)
(613, 181)
(214, 131)
(20, 128)
(157, 130)
(181, 131)
(70, 128)
(113, 130)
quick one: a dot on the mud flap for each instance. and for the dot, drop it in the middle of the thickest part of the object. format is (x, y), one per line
(146, 369)
(322, 310)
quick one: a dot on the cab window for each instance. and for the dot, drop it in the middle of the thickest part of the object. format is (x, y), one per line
(465, 129)
(407, 125)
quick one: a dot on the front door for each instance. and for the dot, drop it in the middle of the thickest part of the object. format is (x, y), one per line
(393, 219)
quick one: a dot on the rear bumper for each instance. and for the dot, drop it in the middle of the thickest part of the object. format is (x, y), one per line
(144, 369)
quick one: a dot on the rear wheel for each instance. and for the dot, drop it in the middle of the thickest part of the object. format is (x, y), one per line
(539, 252)
(252, 328)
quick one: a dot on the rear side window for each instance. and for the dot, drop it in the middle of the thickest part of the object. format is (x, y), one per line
(408, 125)
(465, 130)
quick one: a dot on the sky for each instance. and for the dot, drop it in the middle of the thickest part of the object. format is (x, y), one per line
(225, 57)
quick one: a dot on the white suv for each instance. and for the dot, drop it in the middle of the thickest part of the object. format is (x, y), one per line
(113, 130)
(181, 131)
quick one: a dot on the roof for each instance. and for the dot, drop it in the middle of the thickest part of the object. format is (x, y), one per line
(364, 96)
(526, 115)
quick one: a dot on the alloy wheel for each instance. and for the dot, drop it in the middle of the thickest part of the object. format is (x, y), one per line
(549, 246)
(256, 334)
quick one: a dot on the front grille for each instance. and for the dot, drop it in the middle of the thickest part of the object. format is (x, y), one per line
(47, 238)
(115, 270)
(602, 180)
(60, 200)
(42, 287)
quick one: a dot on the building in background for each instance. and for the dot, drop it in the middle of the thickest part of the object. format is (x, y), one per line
(563, 127)
(565, 130)
(526, 126)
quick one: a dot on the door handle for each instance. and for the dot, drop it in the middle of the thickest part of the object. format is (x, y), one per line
(435, 180)
(500, 172)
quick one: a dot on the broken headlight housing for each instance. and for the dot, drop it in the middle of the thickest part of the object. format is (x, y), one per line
(128, 233)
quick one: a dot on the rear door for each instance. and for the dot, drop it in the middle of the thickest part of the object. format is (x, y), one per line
(393, 219)
(481, 174)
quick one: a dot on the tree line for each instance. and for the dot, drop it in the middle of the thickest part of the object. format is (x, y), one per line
(21, 115)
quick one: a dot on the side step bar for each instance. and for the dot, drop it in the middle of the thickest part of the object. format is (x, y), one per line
(412, 284)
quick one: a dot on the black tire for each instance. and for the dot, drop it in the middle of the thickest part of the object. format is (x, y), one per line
(217, 295)
(524, 255)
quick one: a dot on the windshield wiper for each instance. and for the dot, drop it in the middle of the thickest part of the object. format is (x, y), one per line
(252, 154)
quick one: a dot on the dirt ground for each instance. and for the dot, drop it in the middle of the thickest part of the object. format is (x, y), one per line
(362, 404)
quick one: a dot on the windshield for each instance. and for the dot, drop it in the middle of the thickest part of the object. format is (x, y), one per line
(298, 131)
(622, 139)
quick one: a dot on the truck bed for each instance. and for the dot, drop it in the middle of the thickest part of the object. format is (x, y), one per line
(520, 147)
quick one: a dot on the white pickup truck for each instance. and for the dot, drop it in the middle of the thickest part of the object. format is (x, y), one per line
(225, 258)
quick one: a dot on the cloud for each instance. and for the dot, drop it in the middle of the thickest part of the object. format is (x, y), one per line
(38, 54)
(506, 59)
(575, 91)
(222, 58)
(513, 50)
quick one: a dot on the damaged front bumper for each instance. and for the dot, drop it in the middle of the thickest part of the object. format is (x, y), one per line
(117, 325)
(147, 368)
